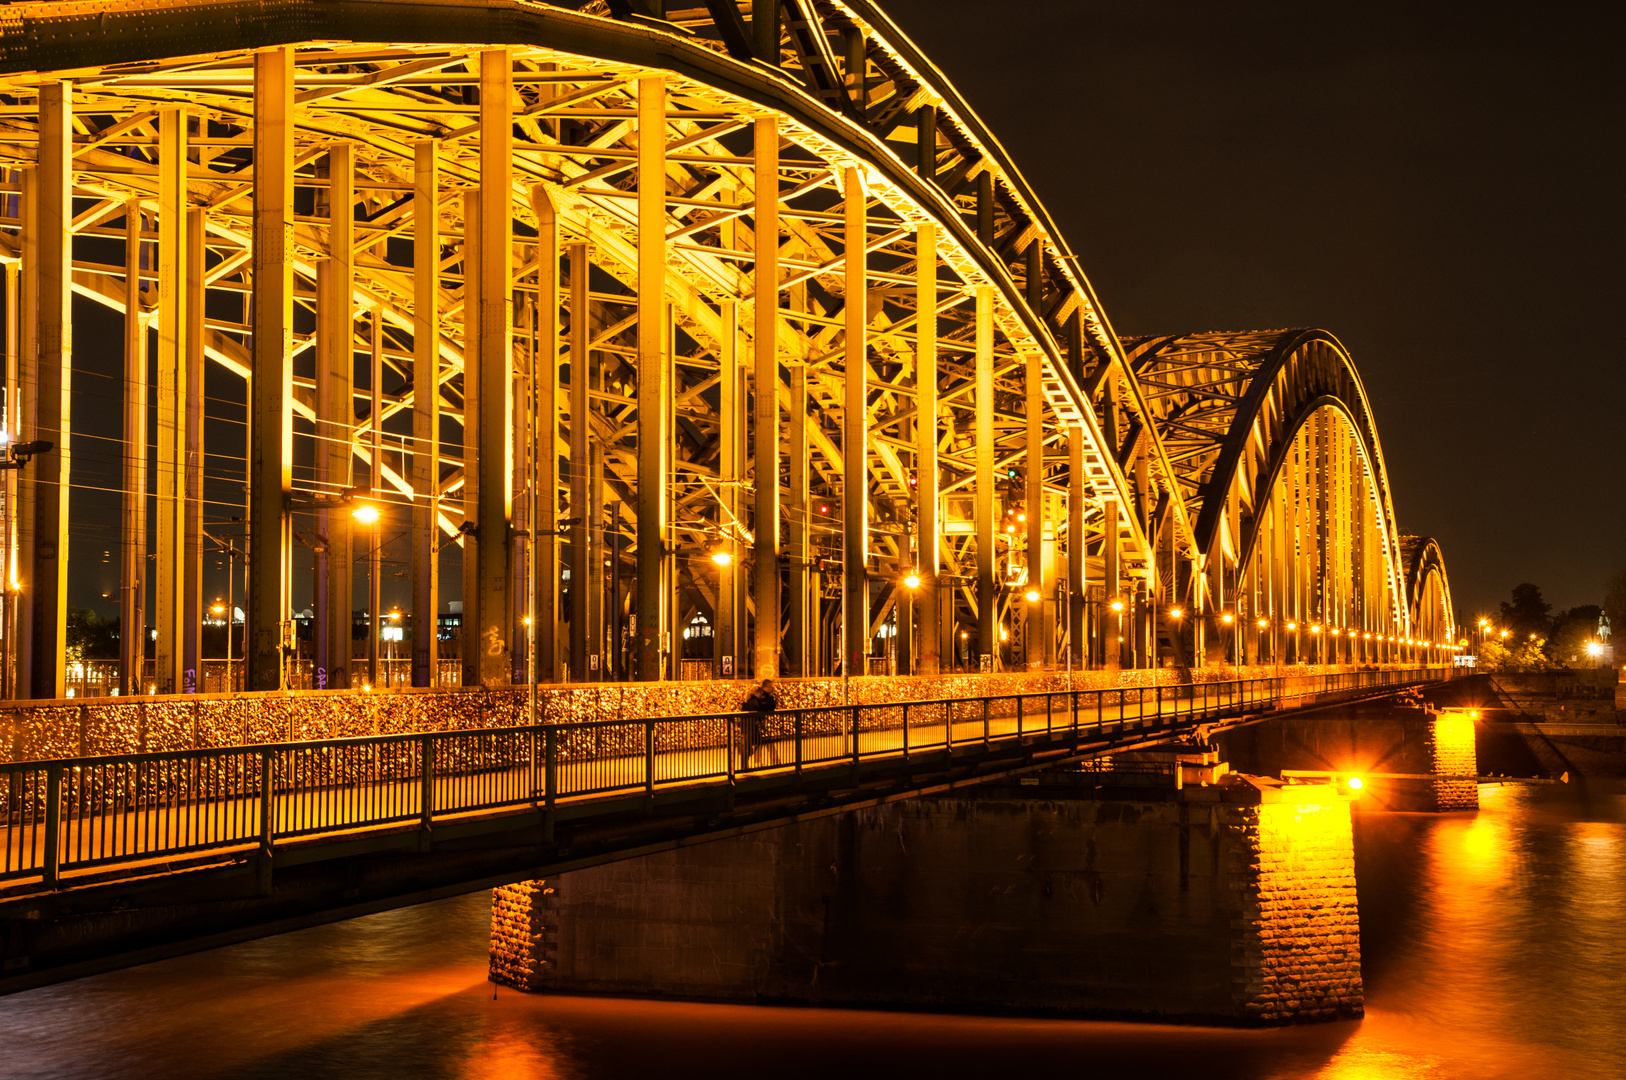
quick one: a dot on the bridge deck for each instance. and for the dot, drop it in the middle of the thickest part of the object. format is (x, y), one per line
(94, 818)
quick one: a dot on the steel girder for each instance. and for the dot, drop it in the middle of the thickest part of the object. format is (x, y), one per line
(375, 86)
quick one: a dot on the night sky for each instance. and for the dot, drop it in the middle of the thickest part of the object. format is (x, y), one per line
(1438, 184)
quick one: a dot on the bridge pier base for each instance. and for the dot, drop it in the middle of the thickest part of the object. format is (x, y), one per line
(1233, 903)
(1435, 752)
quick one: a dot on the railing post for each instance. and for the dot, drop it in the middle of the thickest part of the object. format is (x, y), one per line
(852, 723)
(1021, 714)
(51, 867)
(550, 780)
(267, 821)
(906, 733)
(649, 760)
(426, 782)
(985, 737)
(798, 740)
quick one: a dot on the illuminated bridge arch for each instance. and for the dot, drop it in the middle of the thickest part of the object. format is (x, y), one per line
(1278, 453)
(573, 389)
(1428, 590)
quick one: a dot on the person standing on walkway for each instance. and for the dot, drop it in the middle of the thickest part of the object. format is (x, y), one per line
(758, 704)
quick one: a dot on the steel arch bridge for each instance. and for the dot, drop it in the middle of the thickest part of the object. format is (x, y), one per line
(497, 269)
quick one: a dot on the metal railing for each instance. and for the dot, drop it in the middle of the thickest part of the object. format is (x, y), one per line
(78, 815)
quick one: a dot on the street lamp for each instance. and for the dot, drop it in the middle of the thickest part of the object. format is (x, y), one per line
(222, 609)
(394, 617)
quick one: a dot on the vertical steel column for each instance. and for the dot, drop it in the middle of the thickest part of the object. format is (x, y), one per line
(192, 601)
(46, 525)
(804, 607)
(580, 430)
(10, 420)
(336, 421)
(133, 608)
(654, 377)
(271, 393)
(765, 401)
(488, 412)
(926, 476)
(1112, 628)
(169, 609)
(375, 486)
(987, 593)
(425, 413)
(1076, 591)
(855, 437)
(1037, 636)
(765, 30)
(28, 379)
(730, 435)
(544, 518)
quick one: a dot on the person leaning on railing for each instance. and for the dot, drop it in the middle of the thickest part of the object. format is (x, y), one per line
(756, 705)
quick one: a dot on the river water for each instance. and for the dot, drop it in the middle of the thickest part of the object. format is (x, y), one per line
(1494, 945)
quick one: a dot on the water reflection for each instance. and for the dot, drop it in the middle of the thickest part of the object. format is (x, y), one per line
(1492, 947)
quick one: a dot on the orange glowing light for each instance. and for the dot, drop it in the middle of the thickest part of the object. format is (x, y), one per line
(1355, 783)
(912, 582)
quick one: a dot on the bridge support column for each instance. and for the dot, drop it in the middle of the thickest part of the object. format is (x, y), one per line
(581, 429)
(1077, 594)
(46, 377)
(271, 386)
(488, 387)
(765, 400)
(855, 435)
(335, 423)
(654, 386)
(983, 492)
(170, 435)
(1036, 634)
(426, 414)
(544, 517)
(133, 606)
(801, 643)
(1251, 917)
(926, 602)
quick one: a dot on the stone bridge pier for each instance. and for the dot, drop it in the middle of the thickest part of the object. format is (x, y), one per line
(1118, 892)
(1409, 758)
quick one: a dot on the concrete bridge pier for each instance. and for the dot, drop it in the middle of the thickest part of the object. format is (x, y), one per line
(1431, 754)
(1078, 894)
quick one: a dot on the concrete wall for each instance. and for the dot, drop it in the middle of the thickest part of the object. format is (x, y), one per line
(1226, 903)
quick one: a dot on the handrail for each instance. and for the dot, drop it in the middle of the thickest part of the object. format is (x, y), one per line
(72, 815)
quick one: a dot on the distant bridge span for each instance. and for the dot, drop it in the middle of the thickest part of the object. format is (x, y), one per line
(497, 268)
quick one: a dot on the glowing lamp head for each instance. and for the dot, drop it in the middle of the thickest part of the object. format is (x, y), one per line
(1021, 517)
(1593, 648)
(1117, 605)
(1354, 783)
(1263, 623)
(721, 558)
(912, 581)
(1226, 618)
(395, 616)
(1032, 596)
(1003, 636)
(1175, 613)
(1316, 629)
(218, 609)
(366, 514)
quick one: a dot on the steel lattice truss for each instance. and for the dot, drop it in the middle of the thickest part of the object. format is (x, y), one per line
(526, 393)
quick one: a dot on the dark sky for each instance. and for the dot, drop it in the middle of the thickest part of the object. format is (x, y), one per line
(1439, 184)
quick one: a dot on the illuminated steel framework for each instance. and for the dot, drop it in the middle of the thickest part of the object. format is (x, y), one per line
(730, 315)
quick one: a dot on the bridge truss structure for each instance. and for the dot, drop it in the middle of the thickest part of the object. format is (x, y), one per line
(662, 315)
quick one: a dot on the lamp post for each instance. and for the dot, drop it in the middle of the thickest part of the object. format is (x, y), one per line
(225, 609)
(722, 558)
(368, 515)
(1117, 607)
